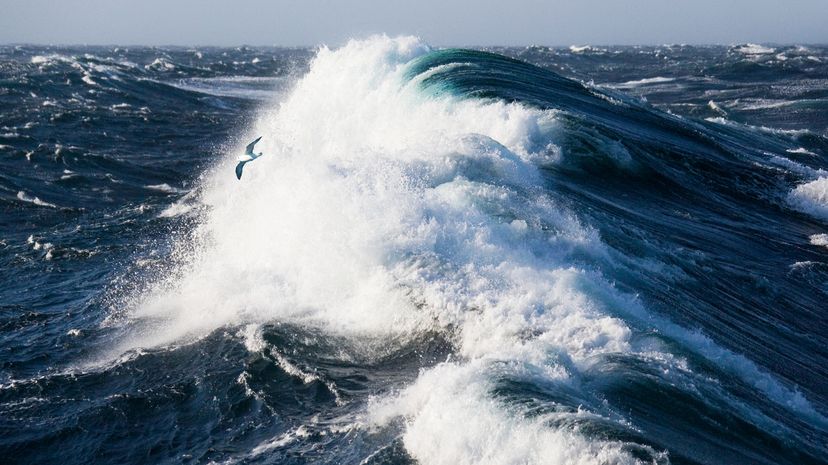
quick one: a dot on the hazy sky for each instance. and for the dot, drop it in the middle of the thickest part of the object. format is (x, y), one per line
(461, 22)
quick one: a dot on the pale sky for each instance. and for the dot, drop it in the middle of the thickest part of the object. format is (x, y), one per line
(461, 22)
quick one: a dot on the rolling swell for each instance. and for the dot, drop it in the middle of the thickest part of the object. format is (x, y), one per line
(448, 256)
(639, 175)
(704, 206)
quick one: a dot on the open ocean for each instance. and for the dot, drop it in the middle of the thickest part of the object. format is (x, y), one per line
(583, 255)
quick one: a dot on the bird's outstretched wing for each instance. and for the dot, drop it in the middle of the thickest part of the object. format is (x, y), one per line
(239, 168)
(249, 149)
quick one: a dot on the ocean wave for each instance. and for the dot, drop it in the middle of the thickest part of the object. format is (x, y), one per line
(448, 256)
(811, 198)
(165, 188)
(644, 82)
(754, 49)
(160, 64)
(819, 239)
(249, 87)
(397, 199)
(585, 49)
(24, 197)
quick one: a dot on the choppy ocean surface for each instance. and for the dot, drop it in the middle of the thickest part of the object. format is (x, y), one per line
(584, 255)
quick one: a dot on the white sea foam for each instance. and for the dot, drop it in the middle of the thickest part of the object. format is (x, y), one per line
(797, 168)
(87, 78)
(764, 104)
(819, 239)
(22, 196)
(47, 247)
(160, 64)
(252, 336)
(453, 422)
(765, 129)
(644, 82)
(811, 198)
(165, 188)
(715, 107)
(754, 49)
(585, 49)
(251, 87)
(50, 59)
(280, 441)
(187, 204)
(178, 208)
(380, 210)
(801, 150)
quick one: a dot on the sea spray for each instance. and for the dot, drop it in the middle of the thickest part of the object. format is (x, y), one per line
(384, 211)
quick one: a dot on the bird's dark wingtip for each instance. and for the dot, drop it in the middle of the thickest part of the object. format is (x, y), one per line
(249, 149)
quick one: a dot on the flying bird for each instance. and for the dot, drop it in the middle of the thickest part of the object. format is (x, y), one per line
(247, 157)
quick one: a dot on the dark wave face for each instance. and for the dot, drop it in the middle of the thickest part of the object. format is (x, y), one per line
(445, 256)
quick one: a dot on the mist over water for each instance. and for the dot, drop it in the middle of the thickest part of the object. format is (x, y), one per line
(445, 256)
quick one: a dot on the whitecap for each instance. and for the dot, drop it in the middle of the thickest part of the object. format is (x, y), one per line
(801, 150)
(87, 78)
(21, 195)
(754, 49)
(160, 64)
(585, 49)
(811, 198)
(165, 188)
(819, 239)
(644, 82)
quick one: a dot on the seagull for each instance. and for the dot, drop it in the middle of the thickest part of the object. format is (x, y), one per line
(248, 156)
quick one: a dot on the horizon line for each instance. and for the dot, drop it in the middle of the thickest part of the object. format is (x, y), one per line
(323, 44)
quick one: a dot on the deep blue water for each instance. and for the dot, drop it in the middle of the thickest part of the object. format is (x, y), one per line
(516, 255)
